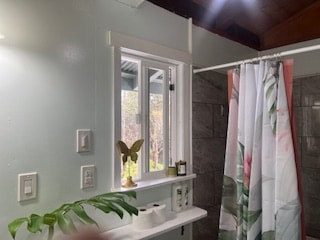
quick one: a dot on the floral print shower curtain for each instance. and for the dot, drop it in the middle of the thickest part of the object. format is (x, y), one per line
(260, 197)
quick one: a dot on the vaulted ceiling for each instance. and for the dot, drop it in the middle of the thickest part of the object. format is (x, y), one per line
(260, 24)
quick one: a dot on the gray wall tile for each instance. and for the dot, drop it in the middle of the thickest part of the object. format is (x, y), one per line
(202, 120)
(299, 120)
(220, 120)
(310, 89)
(209, 87)
(296, 92)
(209, 140)
(310, 152)
(310, 121)
(310, 181)
(207, 228)
(312, 216)
(218, 183)
(299, 150)
(307, 111)
(208, 155)
(204, 190)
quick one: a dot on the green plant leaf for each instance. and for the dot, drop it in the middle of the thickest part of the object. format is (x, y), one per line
(49, 219)
(63, 208)
(130, 209)
(118, 198)
(65, 223)
(99, 205)
(35, 223)
(108, 202)
(107, 206)
(130, 194)
(115, 208)
(15, 225)
(80, 212)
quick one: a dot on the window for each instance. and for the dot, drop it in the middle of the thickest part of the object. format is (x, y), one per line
(152, 100)
(147, 107)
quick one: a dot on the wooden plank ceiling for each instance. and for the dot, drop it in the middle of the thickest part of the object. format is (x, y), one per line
(260, 24)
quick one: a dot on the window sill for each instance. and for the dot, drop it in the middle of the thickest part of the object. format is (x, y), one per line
(143, 185)
(174, 221)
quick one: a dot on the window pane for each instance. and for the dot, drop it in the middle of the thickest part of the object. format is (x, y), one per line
(156, 119)
(130, 127)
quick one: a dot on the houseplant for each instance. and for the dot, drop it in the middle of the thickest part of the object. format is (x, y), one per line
(60, 217)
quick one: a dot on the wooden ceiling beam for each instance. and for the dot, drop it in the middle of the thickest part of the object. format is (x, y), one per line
(262, 25)
(202, 18)
(301, 27)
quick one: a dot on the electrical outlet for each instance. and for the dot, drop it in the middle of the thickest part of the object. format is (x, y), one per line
(88, 176)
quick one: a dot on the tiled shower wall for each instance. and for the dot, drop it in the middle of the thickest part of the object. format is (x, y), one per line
(307, 111)
(209, 109)
(209, 137)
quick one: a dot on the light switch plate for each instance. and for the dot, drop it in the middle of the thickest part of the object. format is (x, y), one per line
(84, 140)
(87, 176)
(27, 186)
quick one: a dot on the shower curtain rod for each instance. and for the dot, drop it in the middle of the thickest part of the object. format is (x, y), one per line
(280, 54)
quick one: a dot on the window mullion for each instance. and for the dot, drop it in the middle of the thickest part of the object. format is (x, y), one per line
(173, 118)
(166, 118)
(140, 76)
(145, 115)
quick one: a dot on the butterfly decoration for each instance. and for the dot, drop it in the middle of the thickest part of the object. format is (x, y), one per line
(129, 152)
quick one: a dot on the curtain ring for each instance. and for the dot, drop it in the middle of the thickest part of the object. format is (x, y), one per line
(237, 68)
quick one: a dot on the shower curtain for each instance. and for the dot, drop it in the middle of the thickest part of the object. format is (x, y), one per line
(260, 198)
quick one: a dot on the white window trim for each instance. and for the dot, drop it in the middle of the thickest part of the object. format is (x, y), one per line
(145, 173)
(121, 43)
(151, 49)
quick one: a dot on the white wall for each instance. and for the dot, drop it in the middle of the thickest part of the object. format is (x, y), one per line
(55, 71)
(305, 64)
(211, 49)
